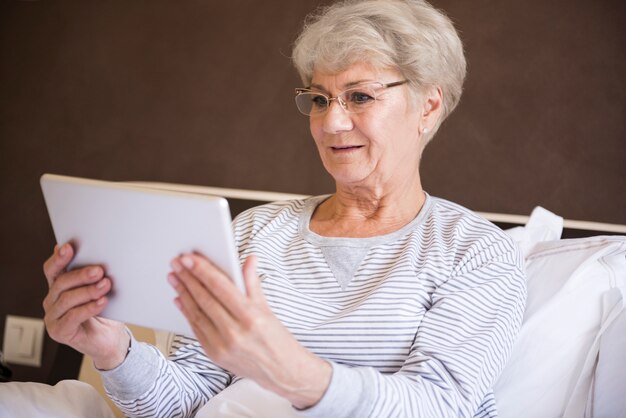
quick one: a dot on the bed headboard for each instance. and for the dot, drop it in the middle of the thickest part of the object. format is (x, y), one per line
(240, 200)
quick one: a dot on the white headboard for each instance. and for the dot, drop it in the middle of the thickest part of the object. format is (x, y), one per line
(251, 198)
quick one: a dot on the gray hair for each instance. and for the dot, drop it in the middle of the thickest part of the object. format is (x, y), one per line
(408, 35)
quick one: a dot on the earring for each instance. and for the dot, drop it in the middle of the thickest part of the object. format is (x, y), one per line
(425, 130)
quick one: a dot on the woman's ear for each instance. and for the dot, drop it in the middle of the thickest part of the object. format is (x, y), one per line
(432, 107)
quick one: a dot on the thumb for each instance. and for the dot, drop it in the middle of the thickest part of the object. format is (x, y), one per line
(251, 279)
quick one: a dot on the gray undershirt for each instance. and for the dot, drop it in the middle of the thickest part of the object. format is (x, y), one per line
(344, 262)
(344, 255)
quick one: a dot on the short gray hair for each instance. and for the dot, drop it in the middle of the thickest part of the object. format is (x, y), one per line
(408, 35)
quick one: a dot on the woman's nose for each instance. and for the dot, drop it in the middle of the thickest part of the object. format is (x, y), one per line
(336, 119)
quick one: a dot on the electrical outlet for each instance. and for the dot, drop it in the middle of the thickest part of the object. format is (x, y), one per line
(23, 340)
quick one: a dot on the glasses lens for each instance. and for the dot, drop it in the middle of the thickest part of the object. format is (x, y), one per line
(310, 103)
(359, 98)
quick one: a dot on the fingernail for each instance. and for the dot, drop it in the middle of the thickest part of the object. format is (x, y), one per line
(101, 301)
(101, 284)
(187, 262)
(62, 250)
(176, 266)
(93, 272)
(172, 280)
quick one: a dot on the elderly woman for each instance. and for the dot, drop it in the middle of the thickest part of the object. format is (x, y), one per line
(378, 300)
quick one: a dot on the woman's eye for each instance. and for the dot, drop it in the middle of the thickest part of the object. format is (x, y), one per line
(359, 97)
(319, 100)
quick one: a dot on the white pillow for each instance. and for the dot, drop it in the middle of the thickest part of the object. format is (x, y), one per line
(574, 294)
(604, 399)
(66, 399)
(542, 225)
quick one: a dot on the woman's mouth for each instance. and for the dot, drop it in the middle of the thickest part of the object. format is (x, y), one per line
(346, 148)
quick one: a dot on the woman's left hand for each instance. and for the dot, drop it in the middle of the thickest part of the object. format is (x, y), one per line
(241, 334)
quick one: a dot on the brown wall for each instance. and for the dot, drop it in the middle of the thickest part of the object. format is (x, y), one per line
(201, 92)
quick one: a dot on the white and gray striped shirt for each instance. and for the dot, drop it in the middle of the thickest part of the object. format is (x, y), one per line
(416, 323)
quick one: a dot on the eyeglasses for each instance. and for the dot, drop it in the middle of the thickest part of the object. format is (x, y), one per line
(353, 100)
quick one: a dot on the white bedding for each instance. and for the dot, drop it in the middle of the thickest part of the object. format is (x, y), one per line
(575, 294)
(66, 399)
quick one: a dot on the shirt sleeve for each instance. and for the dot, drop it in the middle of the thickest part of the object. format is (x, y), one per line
(147, 384)
(459, 351)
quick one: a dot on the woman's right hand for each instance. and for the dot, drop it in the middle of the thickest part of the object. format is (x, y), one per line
(71, 307)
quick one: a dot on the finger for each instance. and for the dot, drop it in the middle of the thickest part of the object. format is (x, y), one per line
(62, 329)
(216, 282)
(251, 279)
(76, 297)
(217, 344)
(73, 279)
(200, 323)
(202, 328)
(195, 292)
(58, 261)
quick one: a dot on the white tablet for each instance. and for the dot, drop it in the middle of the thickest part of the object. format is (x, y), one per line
(134, 232)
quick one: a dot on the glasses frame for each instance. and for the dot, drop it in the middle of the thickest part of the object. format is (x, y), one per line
(342, 102)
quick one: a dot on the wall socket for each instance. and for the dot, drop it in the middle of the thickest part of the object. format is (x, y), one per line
(23, 340)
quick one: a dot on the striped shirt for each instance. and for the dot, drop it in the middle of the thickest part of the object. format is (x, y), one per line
(415, 323)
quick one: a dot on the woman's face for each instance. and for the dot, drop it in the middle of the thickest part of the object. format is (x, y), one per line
(376, 146)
